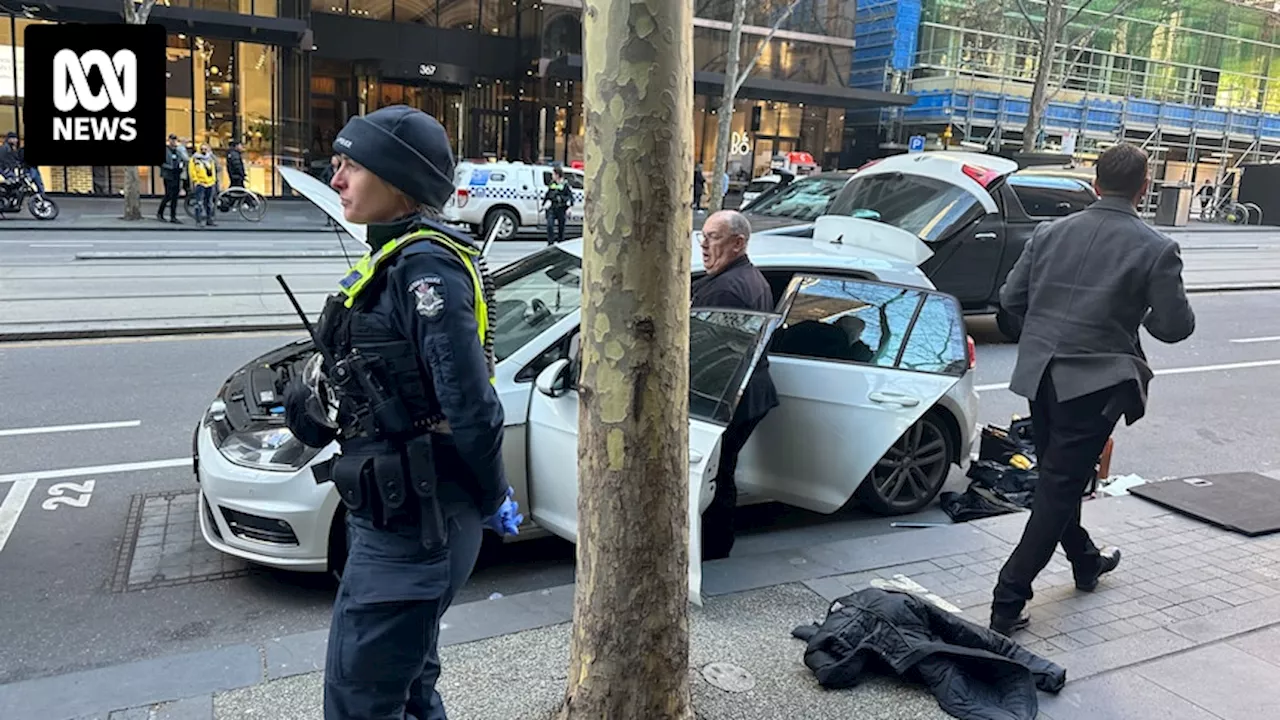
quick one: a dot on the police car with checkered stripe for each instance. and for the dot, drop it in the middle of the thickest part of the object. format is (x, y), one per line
(507, 195)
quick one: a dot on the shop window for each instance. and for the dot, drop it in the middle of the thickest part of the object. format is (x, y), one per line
(258, 70)
(215, 92)
(422, 12)
(498, 17)
(369, 9)
(458, 14)
(333, 7)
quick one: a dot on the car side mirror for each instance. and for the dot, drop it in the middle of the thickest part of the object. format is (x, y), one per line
(553, 381)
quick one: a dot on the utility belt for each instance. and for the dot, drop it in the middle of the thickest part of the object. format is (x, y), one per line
(390, 483)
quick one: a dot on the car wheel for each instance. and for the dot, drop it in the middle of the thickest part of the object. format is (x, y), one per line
(506, 222)
(912, 472)
(338, 544)
(1009, 326)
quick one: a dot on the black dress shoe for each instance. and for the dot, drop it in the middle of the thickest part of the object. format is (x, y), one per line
(1009, 625)
(1108, 559)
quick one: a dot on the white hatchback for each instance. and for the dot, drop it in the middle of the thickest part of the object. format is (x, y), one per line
(873, 369)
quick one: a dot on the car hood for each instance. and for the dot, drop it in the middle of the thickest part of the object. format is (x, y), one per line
(323, 197)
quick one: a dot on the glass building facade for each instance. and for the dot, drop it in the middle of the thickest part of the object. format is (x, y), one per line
(216, 89)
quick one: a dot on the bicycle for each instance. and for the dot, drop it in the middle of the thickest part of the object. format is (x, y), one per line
(252, 205)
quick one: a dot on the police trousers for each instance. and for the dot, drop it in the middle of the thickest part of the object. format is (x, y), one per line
(383, 660)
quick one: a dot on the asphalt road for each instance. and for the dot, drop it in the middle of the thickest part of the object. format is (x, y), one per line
(58, 609)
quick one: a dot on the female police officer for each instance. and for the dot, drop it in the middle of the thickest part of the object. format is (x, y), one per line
(406, 356)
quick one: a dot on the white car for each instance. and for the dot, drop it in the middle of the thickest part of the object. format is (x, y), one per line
(872, 366)
(506, 195)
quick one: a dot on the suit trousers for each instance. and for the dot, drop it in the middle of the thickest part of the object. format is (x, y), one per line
(1069, 438)
(172, 184)
(717, 522)
(383, 659)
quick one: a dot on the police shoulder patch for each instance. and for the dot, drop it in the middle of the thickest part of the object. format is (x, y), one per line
(428, 295)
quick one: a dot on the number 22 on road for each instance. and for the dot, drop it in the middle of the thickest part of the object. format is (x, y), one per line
(76, 495)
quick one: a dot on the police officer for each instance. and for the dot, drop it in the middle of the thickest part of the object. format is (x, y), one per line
(405, 383)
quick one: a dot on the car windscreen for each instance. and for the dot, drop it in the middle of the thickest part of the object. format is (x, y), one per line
(929, 208)
(531, 295)
(759, 186)
(803, 200)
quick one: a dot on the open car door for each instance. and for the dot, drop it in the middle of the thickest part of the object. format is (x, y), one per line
(724, 347)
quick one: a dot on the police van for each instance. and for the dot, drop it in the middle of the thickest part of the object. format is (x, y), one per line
(508, 195)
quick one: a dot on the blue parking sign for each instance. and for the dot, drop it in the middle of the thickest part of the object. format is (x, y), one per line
(916, 144)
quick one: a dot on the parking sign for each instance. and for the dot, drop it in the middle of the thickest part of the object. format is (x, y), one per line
(916, 144)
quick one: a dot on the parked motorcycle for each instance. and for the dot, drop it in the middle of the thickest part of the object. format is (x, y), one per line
(24, 190)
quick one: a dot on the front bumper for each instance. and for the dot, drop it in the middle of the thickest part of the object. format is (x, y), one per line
(277, 519)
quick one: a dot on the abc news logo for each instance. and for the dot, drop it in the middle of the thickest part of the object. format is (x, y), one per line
(95, 95)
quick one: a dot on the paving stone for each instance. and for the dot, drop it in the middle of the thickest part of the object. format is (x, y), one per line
(1226, 623)
(1141, 622)
(138, 713)
(1263, 644)
(1086, 637)
(1129, 650)
(197, 708)
(829, 588)
(1244, 693)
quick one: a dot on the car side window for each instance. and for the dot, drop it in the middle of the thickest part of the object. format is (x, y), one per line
(498, 177)
(574, 180)
(938, 342)
(849, 320)
(722, 346)
(1044, 197)
(869, 323)
(546, 178)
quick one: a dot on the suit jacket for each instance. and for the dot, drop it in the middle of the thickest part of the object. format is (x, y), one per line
(1083, 286)
(741, 285)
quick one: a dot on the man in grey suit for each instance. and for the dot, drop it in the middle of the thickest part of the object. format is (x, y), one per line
(1082, 288)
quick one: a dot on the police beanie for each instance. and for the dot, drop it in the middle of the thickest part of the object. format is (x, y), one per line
(404, 146)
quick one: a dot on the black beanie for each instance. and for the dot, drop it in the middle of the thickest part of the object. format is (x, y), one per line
(404, 146)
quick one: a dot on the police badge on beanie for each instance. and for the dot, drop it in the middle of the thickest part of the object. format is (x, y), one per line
(404, 146)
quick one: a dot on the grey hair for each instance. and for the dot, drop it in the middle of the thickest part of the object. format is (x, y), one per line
(737, 223)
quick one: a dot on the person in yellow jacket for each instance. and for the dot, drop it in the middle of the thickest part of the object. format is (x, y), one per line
(204, 182)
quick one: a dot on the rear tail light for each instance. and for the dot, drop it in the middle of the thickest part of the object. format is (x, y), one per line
(983, 176)
(463, 196)
(973, 352)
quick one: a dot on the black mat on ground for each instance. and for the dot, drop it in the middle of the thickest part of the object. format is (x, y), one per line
(1247, 503)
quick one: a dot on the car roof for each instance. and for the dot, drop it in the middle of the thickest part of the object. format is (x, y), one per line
(508, 164)
(947, 166)
(801, 253)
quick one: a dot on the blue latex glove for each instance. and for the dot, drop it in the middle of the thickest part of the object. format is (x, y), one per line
(508, 518)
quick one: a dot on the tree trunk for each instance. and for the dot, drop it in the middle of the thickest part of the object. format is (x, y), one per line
(1054, 14)
(630, 646)
(135, 13)
(725, 113)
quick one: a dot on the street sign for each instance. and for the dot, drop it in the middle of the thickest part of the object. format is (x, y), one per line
(916, 144)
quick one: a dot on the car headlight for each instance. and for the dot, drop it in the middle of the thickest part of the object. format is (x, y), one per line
(271, 448)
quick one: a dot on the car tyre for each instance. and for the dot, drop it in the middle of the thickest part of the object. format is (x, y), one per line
(912, 471)
(506, 220)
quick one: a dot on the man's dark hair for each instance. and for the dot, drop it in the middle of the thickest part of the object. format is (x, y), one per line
(1121, 170)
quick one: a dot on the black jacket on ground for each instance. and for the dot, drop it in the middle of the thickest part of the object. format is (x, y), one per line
(741, 286)
(975, 674)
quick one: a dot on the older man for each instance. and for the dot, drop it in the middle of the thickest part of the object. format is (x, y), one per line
(1082, 287)
(732, 282)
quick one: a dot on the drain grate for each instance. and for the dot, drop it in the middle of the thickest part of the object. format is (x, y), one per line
(162, 546)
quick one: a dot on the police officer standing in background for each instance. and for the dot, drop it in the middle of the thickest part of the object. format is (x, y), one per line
(405, 383)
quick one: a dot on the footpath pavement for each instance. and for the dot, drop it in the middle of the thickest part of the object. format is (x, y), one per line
(106, 214)
(1188, 628)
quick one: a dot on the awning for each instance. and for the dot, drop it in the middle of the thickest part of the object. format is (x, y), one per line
(287, 32)
(758, 88)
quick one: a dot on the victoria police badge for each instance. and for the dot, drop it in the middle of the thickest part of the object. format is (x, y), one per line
(428, 292)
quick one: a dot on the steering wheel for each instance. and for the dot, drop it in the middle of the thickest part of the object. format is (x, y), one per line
(538, 311)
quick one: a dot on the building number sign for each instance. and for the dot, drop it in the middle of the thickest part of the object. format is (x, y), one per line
(426, 70)
(740, 144)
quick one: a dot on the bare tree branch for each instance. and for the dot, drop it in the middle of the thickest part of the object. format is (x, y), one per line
(1076, 15)
(1087, 35)
(1022, 7)
(751, 64)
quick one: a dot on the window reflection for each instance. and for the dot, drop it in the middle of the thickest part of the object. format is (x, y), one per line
(938, 343)
(848, 320)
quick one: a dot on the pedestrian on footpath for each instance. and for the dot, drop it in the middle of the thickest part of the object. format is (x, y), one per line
(732, 282)
(203, 169)
(408, 356)
(1083, 287)
(171, 172)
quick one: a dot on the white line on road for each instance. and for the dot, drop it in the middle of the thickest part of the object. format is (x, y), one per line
(12, 508)
(70, 428)
(94, 470)
(60, 245)
(1172, 371)
(1272, 338)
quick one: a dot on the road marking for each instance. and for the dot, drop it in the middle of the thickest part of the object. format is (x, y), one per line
(70, 428)
(1172, 371)
(94, 470)
(60, 245)
(12, 507)
(1272, 338)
